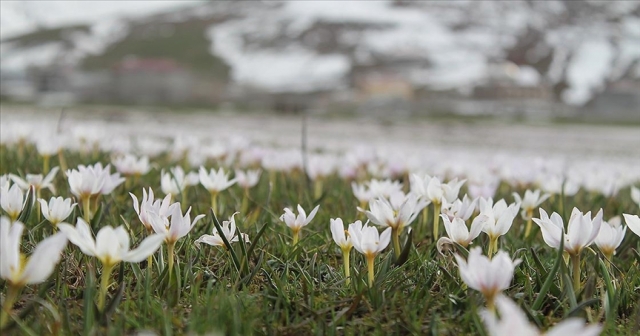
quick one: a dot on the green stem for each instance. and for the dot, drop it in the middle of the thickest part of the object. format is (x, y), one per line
(436, 220)
(104, 284)
(170, 247)
(493, 246)
(527, 229)
(9, 300)
(347, 269)
(296, 234)
(395, 234)
(575, 261)
(62, 161)
(245, 202)
(370, 263)
(86, 204)
(317, 188)
(38, 207)
(45, 164)
(214, 202)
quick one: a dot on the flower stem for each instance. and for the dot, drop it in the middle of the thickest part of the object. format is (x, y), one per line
(214, 202)
(170, 247)
(575, 261)
(493, 247)
(86, 204)
(436, 220)
(9, 300)
(104, 284)
(370, 263)
(245, 202)
(527, 229)
(347, 269)
(395, 234)
(317, 188)
(45, 164)
(296, 234)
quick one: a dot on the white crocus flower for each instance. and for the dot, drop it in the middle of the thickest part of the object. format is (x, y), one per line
(498, 219)
(633, 223)
(111, 181)
(215, 182)
(635, 195)
(342, 239)
(362, 193)
(436, 192)
(57, 210)
(369, 242)
(248, 179)
(513, 321)
(111, 246)
(177, 227)
(173, 182)
(296, 223)
(581, 232)
(459, 209)
(229, 232)
(12, 201)
(149, 204)
(530, 201)
(610, 236)
(130, 165)
(458, 232)
(84, 182)
(17, 270)
(488, 276)
(37, 181)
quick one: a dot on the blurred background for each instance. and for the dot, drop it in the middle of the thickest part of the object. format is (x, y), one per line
(513, 60)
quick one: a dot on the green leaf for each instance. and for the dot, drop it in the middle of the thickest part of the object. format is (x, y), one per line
(552, 274)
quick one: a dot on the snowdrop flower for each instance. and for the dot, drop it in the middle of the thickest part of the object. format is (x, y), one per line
(229, 232)
(382, 212)
(132, 166)
(12, 201)
(488, 276)
(635, 195)
(497, 219)
(297, 222)
(368, 241)
(581, 232)
(459, 209)
(19, 271)
(531, 200)
(248, 179)
(37, 181)
(633, 222)
(57, 210)
(513, 321)
(215, 182)
(342, 239)
(610, 236)
(458, 232)
(110, 246)
(148, 204)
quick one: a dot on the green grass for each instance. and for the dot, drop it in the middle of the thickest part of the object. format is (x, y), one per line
(301, 290)
(46, 35)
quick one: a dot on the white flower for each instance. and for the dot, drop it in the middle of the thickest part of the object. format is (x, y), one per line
(459, 209)
(581, 231)
(12, 200)
(86, 181)
(37, 180)
(228, 230)
(633, 222)
(57, 210)
(297, 222)
(111, 181)
(610, 236)
(488, 276)
(361, 192)
(531, 200)
(14, 268)
(514, 322)
(434, 190)
(149, 204)
(367, 240)
(130, 165)
(178, 226)
(382, 213)
(110, 246)
(338, 234)
(635, 195)
(215, 181)
(458, 232)
(498, 217)
(248, 179)
(384, 188)
(174, 182)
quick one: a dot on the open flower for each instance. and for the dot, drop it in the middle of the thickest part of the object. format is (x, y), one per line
(633, 223)
(296, 223)
(368, 241)
(12, 201)
(173, 182)
(57, 210)
(130, 165)
(513, 321)
(177, 227)
(17, 270)
(488, 276)
(85, 182)
(339, 235)
(36, 180)
(497, 219)
(247, 179)
(610, 236)
(458, 232)
(229, 232)
(530, 201)
(215, 181)
(459, 209)
(148, 204)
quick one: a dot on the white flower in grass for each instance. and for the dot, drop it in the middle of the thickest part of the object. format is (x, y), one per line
(488, 276)
(296, 223)
(57, 210)
(369, 242)
(458, 232)
(215, 181)
(339, 235)
(229, 232)
(633, 223)
(635, 195)
(36, 180)
(176, 227)
(530, 201)
(19, 271)
(498, 217)
(402, 213)
(173, 182)
(248, 179)
(85, 182)
(12, 200)
(513, 321)
(581, 231)
(459, 209)
(148, 204)
(129, 164)
(610, 236)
